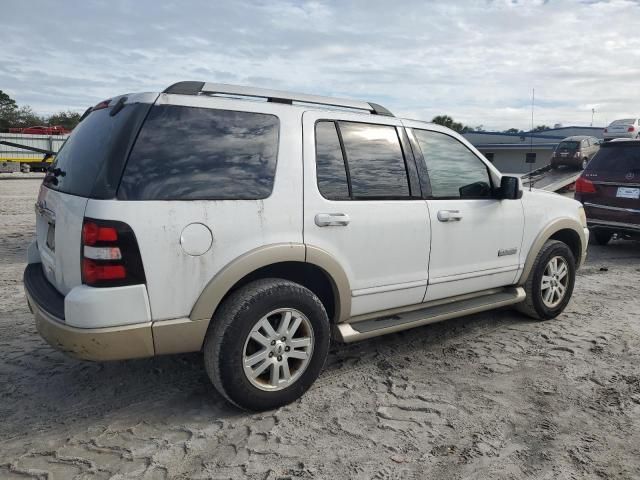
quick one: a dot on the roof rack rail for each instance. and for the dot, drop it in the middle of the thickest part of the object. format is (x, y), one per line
(276, 96)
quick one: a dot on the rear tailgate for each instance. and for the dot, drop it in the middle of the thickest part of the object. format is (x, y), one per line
(58, 230)
(615, 174)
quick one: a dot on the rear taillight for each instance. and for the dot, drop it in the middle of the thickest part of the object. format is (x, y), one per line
(110, 254)
(585, 186)
(631, 129)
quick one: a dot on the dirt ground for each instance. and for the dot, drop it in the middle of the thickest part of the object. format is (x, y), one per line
(493, 395)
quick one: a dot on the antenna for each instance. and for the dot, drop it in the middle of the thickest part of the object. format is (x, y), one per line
(533, 99)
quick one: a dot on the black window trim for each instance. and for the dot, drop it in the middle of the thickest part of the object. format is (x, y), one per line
(431, 196)
(352, 197)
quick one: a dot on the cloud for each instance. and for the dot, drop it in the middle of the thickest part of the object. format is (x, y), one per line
(476, 61)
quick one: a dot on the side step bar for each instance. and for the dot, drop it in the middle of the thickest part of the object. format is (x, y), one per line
(351, 332)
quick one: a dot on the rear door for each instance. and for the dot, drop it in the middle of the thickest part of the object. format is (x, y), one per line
(88, 165)
(363, 206)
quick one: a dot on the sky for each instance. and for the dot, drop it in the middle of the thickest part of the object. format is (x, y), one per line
(475, 61)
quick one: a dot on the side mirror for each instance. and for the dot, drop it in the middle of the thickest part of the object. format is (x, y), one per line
(509, 188)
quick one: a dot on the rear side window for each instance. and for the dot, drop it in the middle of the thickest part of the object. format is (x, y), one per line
(375, 161)
(188, 153)
(617, 159)
(454, 170)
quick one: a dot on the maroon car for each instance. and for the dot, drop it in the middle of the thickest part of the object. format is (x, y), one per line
(609, 189)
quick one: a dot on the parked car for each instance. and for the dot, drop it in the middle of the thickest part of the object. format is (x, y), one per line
(253, 231)
(575, 151)
(609, 189)
(624, 128)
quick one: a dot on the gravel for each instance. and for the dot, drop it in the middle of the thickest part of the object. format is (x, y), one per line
(493, 395)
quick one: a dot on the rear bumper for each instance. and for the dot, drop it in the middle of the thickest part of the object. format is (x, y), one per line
(98, 344)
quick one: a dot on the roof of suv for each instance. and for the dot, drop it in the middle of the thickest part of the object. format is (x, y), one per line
(276, 96)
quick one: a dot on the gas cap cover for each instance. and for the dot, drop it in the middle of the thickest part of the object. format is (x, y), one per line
(196, 239)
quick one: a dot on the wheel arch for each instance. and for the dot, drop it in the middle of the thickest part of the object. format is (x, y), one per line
(309, 266)
(566, 230)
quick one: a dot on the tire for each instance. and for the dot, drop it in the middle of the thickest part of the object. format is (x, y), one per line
(535, 305)
(231, 340)
(602, 237)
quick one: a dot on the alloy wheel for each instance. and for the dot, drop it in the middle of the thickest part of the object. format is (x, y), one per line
(555, 279)
(278, 349)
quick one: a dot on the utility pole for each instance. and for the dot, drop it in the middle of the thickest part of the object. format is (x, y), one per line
(593, 111)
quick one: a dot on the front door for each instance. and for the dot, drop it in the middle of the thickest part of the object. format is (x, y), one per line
(363, 206)
(475, 238)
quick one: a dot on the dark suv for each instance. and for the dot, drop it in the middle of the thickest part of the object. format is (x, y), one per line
(575, 151)
(609, 189)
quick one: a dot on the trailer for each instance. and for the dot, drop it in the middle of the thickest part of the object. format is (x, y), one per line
(28, 151)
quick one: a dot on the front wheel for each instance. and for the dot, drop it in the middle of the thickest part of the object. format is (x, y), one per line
(550, 283)
(267, 344)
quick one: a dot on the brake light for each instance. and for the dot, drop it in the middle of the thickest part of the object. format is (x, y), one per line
(631, 129)
(101, 105)
(110, 254)
(585, 186)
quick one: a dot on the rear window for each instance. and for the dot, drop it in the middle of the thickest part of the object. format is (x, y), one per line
(569, 145)
(92, 158)
(617, 158)
(189, 153)
(624, 121)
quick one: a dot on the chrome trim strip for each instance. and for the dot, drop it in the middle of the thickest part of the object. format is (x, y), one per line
(607, 223)
(479, 273)
(607, 207)
(616, 184)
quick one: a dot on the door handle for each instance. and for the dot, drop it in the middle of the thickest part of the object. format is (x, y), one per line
(449, 215)
(332, 220)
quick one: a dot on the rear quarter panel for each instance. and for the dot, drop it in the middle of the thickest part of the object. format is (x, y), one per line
(175, 279)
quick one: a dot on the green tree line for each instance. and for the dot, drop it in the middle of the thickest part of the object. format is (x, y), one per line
(447, 121)
(14, 116)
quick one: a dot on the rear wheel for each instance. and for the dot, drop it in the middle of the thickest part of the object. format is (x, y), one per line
(550, 283)
(267, 344)
(602, 237)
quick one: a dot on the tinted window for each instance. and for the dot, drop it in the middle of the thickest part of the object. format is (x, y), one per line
(454, 171)
(330, 169)
(569, 145)
(375, 160)
(617, 159)
(187, 153)
(92, 158)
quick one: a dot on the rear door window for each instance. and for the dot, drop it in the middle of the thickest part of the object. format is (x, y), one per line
(375, 161)
(189, 153)
(330, 167)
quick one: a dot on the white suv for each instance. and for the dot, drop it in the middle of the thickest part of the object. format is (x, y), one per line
(205, 218)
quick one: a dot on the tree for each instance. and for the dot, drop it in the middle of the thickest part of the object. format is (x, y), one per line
(541, 128)
(513, 130)
(67, 119)
(447, 121)
(8, 109)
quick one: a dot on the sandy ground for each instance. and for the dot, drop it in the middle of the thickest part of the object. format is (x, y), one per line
(492, 395)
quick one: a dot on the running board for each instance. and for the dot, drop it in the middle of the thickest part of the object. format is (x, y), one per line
(351, 332)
